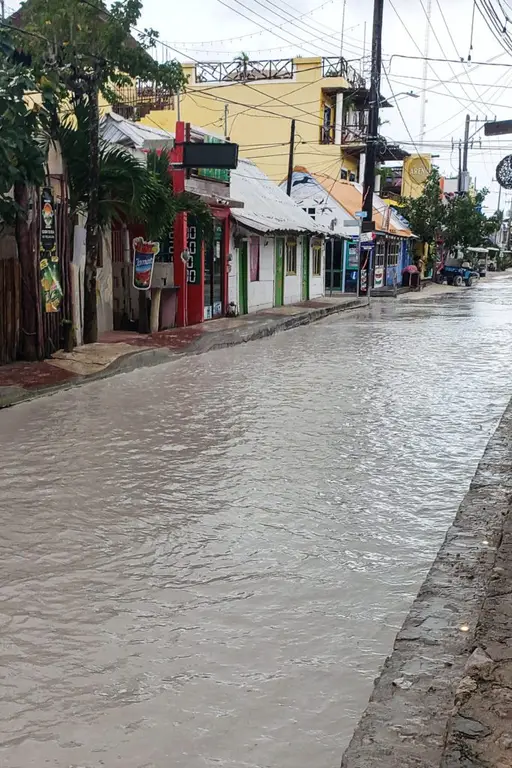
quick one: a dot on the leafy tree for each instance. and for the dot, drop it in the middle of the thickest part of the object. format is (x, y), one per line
(21, 157)
(129, 189)
(465, 224)
(426, 214)
(93, 51)
(22, 166)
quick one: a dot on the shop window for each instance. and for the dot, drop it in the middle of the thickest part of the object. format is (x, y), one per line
(380, 253)
(344, 174)
(393, 252)
(291, 257)
(254, 256)
(352, 177)
(317, 261)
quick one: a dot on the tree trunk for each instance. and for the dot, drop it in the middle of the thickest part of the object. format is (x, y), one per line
(31, 342)
(92, 239)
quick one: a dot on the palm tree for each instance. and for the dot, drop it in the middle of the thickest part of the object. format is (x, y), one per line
(242, 60)
(129, 189)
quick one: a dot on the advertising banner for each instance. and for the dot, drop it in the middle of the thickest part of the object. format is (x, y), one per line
(144, 253)
(49, 266)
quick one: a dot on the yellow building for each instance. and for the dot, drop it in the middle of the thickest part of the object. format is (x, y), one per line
(253, 102)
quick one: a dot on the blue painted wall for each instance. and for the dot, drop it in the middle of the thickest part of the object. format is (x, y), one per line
(404, 259)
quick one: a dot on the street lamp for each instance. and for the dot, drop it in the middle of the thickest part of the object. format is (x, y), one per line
(402, 93)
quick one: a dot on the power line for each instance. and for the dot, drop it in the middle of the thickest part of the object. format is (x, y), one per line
(423, 58)
(403, 120)
(266, 29)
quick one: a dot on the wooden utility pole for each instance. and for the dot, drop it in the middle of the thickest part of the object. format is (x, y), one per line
(31, 339)
(92, 237)
(290, 159)
(371, 143)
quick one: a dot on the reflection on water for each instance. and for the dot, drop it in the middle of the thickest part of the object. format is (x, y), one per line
(205, 563)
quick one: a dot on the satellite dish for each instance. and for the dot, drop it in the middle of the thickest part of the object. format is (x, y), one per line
(504, 172)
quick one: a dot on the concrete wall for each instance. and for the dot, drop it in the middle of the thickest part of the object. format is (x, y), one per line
(105, 286)
(283, 98)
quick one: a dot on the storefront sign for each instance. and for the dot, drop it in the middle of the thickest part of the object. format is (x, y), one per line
(353, 256)
(144, 253)
(49, 266)
(365, 267)
(194, 255)
(378, 281)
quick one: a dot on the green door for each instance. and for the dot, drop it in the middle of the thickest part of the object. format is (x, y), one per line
(243, 306)
(279, 275)
(305, 268)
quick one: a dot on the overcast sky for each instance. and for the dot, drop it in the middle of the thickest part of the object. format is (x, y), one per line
(209, 30)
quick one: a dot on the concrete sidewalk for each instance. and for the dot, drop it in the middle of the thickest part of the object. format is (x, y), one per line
(120, 352)
(444, 698)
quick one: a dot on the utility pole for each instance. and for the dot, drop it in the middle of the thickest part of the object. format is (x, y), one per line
(459, 177)
(371, 144)
(290, 159)
(342, 27)
(465, 156)
(226, 114)
(423, 105)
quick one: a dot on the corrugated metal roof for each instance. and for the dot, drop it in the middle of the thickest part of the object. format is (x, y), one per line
(307, 191)
(348, 195)
(118, 130)
(267, 208)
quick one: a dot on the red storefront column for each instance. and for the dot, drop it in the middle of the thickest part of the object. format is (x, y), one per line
(195, 293)
(180, 230)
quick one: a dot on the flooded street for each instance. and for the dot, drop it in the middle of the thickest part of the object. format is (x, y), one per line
(205, 563)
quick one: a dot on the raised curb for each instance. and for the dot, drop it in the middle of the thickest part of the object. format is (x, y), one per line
(208, 342)
(408, 719)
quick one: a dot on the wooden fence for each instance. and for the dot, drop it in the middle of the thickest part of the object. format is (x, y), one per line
(10, 309)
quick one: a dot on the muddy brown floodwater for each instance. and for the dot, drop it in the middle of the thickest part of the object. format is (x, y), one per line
(205, 563)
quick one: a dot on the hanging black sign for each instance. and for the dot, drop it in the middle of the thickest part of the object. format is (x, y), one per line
(47, 220)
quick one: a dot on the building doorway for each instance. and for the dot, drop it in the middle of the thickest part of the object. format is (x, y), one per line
(334, 265)
(279, 273)
(214, 273)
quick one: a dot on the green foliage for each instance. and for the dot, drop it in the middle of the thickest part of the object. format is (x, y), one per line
(129, 189)
(122, 176)
(458, 220)
(85, 42)
(160, 205)
(21, 157)
(465, 225)
(426, 213)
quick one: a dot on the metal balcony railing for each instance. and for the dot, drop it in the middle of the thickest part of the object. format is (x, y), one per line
(137, 100)
(240, 70)
(349, 134)
(339, 67)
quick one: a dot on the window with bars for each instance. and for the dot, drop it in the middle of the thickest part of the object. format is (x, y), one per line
(380, 253)
(393, 252)
(291, 257)
(254, 259)
(317, 261)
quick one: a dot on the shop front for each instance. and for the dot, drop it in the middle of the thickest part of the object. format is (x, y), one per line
(215, 270)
